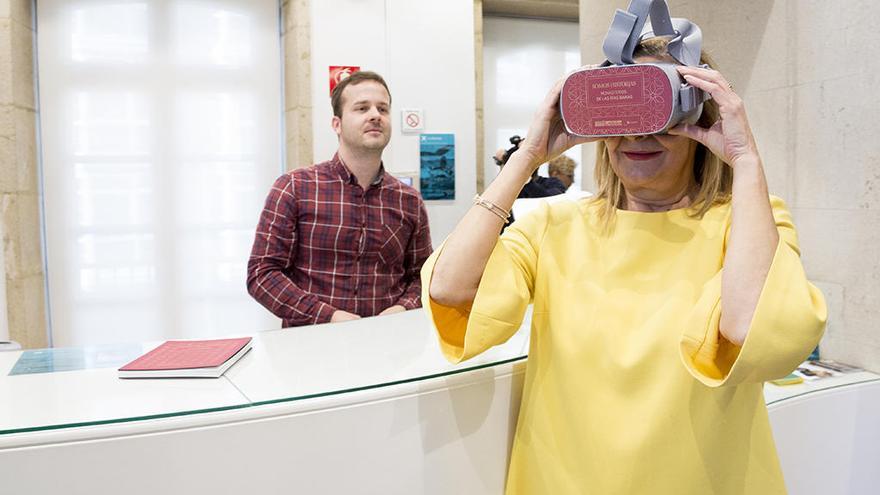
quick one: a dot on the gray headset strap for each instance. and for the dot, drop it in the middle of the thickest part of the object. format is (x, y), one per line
(627, 29)
(687, 41)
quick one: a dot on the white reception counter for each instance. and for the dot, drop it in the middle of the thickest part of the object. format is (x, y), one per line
(369, 406)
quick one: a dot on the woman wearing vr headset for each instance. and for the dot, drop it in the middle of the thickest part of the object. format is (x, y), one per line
(661, 305)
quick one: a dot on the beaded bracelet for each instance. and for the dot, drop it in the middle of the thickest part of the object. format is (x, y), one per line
(495, 209)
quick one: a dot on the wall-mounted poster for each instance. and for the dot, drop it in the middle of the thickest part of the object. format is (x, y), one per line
(437, 159)
(340, 72)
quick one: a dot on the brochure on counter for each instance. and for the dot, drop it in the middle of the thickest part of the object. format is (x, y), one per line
(813, 370)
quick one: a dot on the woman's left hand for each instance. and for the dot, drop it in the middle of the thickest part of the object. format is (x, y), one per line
(730, 138)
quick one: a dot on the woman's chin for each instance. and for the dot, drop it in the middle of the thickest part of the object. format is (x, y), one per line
(644, 171)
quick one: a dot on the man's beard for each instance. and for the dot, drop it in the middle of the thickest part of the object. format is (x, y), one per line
(375, 144)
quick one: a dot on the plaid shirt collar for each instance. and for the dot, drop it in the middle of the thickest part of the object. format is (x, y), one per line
(345, 174)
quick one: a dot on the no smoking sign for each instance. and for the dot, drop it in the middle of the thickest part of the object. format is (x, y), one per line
(412, 120)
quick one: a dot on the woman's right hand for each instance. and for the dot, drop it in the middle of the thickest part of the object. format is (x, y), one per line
(460, 266)
(547, 138)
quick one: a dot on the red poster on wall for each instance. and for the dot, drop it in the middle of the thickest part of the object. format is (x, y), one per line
(340, 72)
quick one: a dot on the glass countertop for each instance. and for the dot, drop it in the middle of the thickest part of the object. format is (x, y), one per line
(54, 389)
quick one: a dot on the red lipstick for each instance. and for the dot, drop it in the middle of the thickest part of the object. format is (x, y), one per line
(641, 155)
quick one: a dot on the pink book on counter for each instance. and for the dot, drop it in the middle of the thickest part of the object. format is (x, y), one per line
(188, 359)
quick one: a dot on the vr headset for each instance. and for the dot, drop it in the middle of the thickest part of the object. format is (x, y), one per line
(623, 98)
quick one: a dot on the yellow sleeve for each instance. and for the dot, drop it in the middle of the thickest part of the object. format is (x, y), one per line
(788, 321)
(503, 295)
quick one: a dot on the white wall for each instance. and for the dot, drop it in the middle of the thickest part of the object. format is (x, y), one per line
(522, 59)
(425, 51)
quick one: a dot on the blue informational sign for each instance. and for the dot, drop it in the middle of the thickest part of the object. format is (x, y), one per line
(437, 159)
(70, 359)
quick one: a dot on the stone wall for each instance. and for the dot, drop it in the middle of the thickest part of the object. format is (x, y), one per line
(19, 191)
(478, 81)
(296, 47)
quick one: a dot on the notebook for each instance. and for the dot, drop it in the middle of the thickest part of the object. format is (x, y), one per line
(188, 359)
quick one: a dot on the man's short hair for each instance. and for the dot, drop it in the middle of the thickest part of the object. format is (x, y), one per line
(352, 80)
(561, 165)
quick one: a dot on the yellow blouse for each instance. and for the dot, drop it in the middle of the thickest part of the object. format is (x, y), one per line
(629, 386)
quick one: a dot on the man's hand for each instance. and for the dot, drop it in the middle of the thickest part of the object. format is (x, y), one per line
(393, 309)
(340, 315)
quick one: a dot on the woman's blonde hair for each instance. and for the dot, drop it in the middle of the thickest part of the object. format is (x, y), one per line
(713, 176)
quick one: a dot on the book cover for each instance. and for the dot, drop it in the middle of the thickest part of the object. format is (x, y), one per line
(188, 358)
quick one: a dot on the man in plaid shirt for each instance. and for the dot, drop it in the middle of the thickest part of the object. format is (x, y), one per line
(342, 239)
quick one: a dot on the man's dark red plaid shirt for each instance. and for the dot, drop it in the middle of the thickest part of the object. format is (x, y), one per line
(323, 244)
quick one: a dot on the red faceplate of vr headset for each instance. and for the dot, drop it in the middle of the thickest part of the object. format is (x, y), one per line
(622, 100)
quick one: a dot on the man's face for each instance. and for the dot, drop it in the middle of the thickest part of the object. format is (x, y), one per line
(365, 123)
